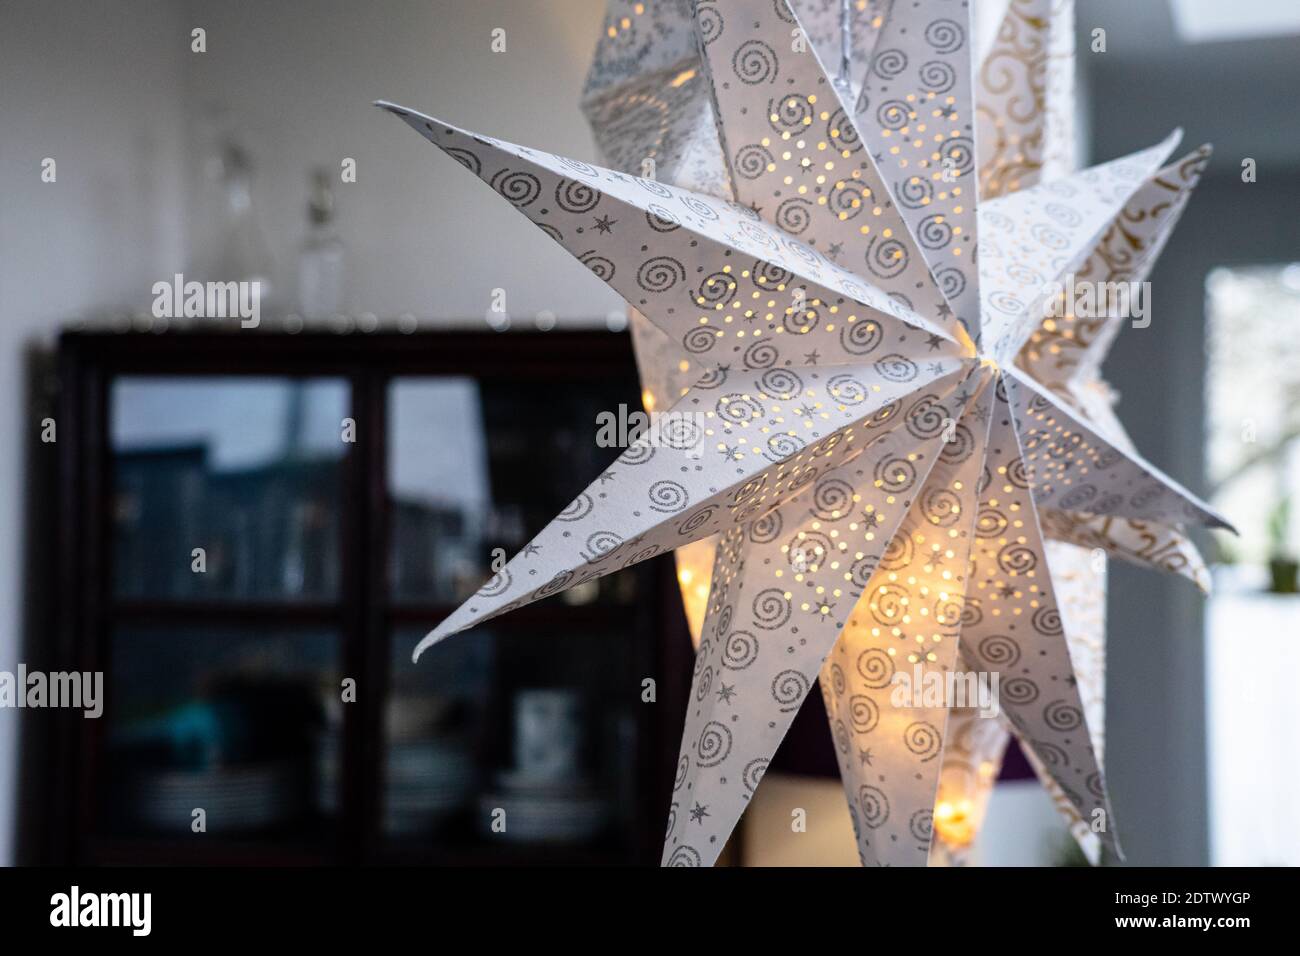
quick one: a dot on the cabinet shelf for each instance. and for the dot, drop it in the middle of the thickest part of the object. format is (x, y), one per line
(323, 560)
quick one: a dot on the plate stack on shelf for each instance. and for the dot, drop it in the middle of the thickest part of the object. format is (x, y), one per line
(234, 799)
(547, 798)
(543, 810)
(429, 769)
(428, 781)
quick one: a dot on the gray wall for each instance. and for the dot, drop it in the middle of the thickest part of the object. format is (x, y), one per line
(1237, 96)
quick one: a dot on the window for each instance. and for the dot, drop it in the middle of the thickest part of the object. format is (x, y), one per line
(1253, 618)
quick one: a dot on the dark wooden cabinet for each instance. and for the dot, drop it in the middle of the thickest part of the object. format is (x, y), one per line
(249, 524)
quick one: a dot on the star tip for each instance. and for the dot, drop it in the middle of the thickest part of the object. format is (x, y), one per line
(413, 117)
(426, 642)
(1223, 524)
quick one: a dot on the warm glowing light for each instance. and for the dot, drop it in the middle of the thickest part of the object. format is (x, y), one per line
(964, 339)
(954, 822)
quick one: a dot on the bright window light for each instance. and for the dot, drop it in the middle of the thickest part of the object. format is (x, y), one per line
(1253, 616)
(1208, 21)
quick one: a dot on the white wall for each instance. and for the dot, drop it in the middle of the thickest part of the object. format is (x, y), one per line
(108, 224)
(112, 91)
(424, 236)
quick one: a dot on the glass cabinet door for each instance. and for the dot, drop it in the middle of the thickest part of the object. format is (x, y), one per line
(271, 563)
(227, 489)
(515, 739)
(474, 471)
(223, 653)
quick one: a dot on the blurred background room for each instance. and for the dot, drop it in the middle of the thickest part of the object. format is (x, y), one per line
(233, 527)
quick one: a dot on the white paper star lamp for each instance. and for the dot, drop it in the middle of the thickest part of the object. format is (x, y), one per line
(1025, 113)
(874, 460)
(649, 109)
(1025, 109)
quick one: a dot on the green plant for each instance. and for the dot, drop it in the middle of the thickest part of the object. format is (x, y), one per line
(1279, 523)
(1284, 570)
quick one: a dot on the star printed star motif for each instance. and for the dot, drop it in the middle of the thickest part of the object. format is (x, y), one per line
(960, 438)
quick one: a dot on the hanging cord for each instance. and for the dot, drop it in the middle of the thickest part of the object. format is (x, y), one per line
(846, 47)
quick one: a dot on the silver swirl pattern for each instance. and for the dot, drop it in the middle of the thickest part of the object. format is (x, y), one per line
(755, 62)
(789, 689)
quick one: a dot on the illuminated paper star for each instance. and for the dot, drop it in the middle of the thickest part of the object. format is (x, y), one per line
(882, 509)
(646, 100)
